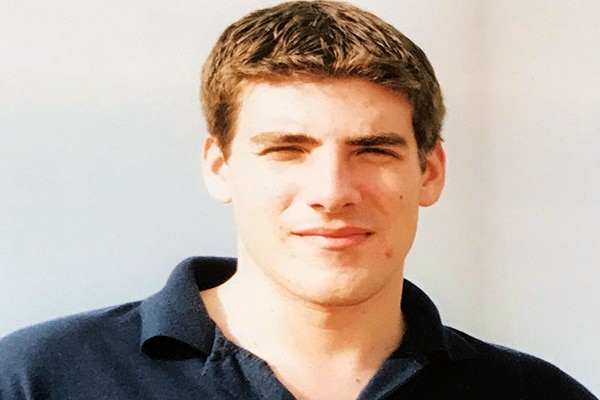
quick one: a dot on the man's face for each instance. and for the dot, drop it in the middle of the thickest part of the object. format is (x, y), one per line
(325, 181)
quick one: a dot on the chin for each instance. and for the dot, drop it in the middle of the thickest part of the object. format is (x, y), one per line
(328, 301)
(336, 289)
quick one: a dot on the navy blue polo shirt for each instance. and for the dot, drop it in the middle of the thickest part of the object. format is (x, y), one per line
(167, 347)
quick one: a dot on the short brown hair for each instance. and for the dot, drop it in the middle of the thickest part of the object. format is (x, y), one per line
(304, 39)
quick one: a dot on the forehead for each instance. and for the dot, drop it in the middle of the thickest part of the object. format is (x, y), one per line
(312, 85)
(353, 105)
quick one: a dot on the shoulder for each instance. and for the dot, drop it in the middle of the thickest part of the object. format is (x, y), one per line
(525, 375)
(66, 332)
(33, 356)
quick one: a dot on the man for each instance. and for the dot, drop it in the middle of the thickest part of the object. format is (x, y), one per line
(324, 134)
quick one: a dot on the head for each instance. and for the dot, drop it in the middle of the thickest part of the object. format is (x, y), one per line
(324, 126)
(307, 40)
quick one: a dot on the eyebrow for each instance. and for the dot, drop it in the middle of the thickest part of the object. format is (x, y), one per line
(270, 138)
(380, 139)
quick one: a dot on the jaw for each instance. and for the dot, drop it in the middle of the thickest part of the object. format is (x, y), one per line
(319, 277)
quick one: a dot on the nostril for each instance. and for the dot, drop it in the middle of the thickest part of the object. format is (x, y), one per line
(332, 207)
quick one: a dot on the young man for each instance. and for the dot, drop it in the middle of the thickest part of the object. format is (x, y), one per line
(324, 134)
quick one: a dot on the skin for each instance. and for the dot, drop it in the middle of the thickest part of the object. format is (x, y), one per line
(326, 186)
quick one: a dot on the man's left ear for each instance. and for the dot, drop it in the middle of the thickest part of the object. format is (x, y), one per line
(434, 176)
(214, 168)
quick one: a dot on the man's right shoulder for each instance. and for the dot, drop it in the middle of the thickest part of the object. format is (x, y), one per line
(44, 351)
(68, 329)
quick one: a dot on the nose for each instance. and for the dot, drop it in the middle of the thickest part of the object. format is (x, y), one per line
(331, 184)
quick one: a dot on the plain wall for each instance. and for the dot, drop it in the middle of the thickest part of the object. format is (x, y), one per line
(100, 184)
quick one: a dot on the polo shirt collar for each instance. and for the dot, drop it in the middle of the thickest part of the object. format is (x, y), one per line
(175, 322)
(426, 333)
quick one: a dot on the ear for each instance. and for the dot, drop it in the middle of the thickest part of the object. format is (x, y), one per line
(434, 176)
(214, 168)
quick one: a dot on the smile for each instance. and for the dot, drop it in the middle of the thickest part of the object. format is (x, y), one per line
(334, 239)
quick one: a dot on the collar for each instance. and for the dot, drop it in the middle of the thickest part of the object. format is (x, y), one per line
(175, 323)
(425, 332)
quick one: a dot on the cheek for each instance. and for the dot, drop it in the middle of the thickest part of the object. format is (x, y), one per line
(396, 196)
(388, 253)
(385, 191)
(261, 207)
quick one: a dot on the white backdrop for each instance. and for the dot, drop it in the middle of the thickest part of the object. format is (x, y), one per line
(100, 187)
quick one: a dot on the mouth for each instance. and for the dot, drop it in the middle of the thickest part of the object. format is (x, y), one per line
(334, 238)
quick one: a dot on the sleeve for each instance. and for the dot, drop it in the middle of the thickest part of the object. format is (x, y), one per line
(16, 372)
(32, 363)
(552, 383)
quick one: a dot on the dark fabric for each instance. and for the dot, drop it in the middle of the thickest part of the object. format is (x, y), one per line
(166, 347)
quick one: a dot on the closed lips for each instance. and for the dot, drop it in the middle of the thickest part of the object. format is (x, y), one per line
(334, 233)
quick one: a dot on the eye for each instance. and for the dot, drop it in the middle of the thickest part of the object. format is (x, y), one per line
(378, 151)
(282, 149)
(283, 153)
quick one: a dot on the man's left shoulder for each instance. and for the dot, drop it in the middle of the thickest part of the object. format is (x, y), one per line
(528, 375)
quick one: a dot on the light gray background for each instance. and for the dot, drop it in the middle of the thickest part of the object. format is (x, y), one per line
(100, 187)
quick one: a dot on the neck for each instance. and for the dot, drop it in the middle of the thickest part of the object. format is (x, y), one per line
(282, 326)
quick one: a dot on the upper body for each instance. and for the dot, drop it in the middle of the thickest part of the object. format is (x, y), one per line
(324, 134)
(167, 347)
